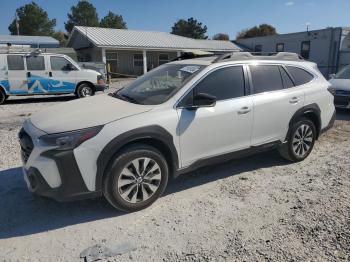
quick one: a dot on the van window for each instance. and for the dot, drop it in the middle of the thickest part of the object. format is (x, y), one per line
(15, 62)
(61, 64)
(287, 82)
(35, 63)
(225, 83)
(265, 78)
(300, 76)
(344, 73)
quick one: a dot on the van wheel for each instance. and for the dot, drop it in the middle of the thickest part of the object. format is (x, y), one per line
(84, 90)
(300, 141)
(136, 178)
(3, 97)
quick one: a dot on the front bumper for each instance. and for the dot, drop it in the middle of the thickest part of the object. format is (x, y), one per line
(100, 87)
(50, 172)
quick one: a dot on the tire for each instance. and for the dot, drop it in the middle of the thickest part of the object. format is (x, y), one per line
(3, 97)
(303, 133)
(84, 90)
(129, 190)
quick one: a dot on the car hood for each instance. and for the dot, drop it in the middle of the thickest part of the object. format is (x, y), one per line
(341, 84)
(84, 113)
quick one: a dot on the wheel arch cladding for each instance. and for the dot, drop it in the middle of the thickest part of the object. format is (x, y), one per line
(155, 136)
(311, 112)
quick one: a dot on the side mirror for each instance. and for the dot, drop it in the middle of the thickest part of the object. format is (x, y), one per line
(68, 67)
(331, 76)
(203, 99)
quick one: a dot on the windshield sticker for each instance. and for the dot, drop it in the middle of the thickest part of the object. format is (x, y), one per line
(190, 69)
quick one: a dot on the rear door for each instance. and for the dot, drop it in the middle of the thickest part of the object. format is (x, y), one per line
(275, 101)
(16, 74)
(62, 75)
(37, 75)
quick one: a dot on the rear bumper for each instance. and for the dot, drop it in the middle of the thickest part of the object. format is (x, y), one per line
(330, 124)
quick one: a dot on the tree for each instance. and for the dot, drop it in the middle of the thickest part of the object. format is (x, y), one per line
(112, 20)
(61, 37)
(261, 30)
(190, 28)
(221, 36)
(32, 20)
(84, 14)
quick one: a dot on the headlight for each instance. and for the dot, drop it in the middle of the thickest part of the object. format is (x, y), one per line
(69, 140)
(100, 80)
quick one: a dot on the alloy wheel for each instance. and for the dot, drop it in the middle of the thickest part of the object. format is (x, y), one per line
(86, 91)
(139, 180)
(302, 140)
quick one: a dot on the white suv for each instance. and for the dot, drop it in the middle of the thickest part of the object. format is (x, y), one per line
(176, 118)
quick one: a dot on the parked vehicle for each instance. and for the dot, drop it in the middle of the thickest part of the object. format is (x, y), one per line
(341, 83)
(34, 73)
(176, 118)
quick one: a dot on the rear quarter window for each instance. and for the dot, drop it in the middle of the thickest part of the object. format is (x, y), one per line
(300, 76)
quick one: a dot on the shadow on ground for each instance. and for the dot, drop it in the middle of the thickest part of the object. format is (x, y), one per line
(39, 99)
(23, 213)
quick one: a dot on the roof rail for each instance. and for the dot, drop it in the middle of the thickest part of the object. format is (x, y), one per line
(258, 56)
(27, 50)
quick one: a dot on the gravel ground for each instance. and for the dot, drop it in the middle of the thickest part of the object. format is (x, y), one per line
(254, 209)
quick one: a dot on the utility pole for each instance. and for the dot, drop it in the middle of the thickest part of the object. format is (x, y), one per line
(17, 23)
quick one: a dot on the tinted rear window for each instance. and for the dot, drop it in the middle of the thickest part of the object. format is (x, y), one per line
(15, 62)
(287, 82)
(266, 78)
(225, 83)
(300, 76)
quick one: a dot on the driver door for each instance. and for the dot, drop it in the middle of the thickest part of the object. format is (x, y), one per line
(206, 132)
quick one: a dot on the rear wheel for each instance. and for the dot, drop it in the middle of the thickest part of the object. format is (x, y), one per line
(137, 177)
(84, 90)
(3, 97)
(300, 141)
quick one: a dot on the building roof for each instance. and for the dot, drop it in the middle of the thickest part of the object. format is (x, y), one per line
(27, 40)
(122, 38)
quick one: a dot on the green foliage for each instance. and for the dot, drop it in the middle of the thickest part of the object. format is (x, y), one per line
(261, 30)
(112, 20)
(221, 36)
(190, 28)
(32, 20)
(83, 14)
(61, 37)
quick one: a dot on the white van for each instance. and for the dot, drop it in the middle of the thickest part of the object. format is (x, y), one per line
(23, 73)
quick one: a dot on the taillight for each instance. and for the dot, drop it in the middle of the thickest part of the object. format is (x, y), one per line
(332, 90)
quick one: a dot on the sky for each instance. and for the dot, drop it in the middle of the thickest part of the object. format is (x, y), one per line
(225, 16)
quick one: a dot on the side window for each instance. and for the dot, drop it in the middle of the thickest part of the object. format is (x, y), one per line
(15, 62)
(287, 82)
(138, 60)
(35, 63)
(265, 78)
(279, 47)
(61, 64)
(300, 76)
(225, 83)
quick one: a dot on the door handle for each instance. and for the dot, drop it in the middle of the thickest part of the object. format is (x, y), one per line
(294, 100)
(29, 74)
(244, 110)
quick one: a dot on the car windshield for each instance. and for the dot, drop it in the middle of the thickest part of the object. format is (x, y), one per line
(344, 73)
(158, 85)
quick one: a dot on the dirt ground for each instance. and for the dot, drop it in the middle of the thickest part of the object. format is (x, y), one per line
(253, 209)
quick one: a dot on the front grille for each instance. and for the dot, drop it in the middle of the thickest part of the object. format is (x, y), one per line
(26, 145)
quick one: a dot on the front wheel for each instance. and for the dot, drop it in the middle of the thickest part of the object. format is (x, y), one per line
(84, 90)
(300, 141)
(3, 97)
(136, 178)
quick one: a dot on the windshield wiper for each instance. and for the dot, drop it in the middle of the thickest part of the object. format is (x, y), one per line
(124, 97)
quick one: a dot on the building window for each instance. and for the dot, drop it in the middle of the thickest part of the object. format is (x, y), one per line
(138, 60)
(258, 48)
(305, 49)
(112, 60)
(280, 47)
(163, 59)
